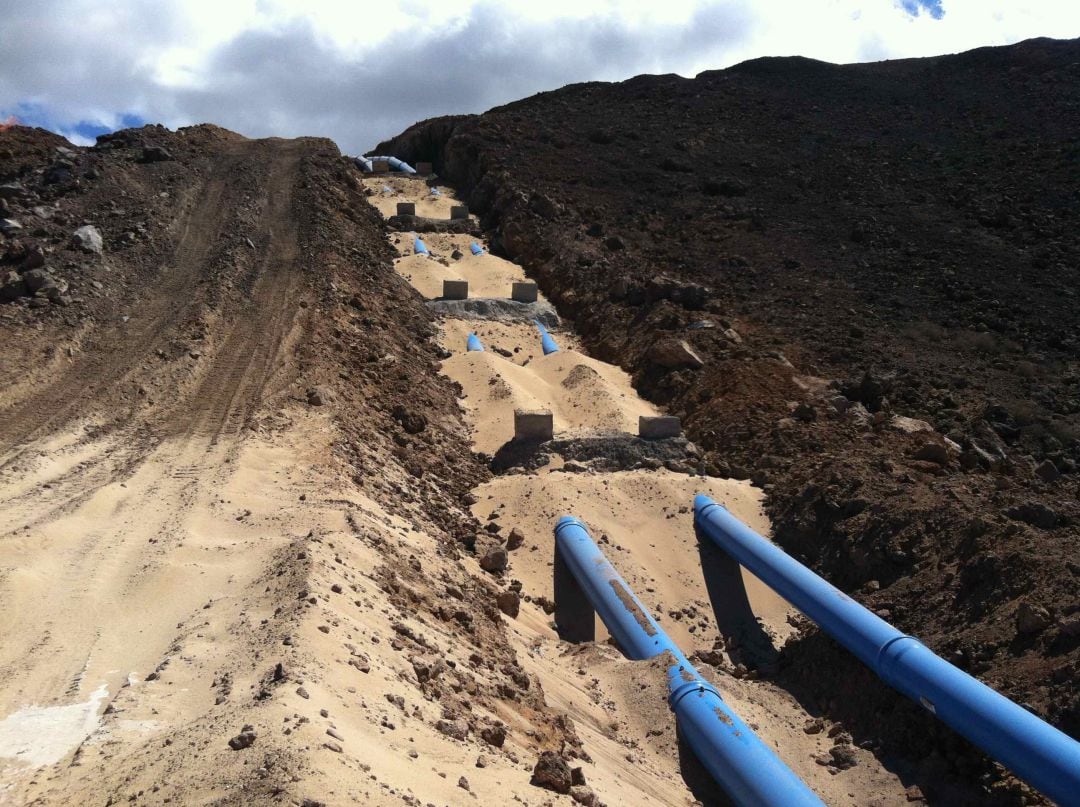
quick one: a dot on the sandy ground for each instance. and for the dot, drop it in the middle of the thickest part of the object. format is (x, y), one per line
(643, 521)
(388, 191)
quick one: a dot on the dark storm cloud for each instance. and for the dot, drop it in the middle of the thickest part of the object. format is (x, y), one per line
(290, 81)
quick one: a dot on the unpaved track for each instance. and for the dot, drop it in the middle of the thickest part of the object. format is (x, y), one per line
(113, 537)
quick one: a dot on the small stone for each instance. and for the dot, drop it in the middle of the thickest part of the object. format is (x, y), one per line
(515, 539)
(481, 761)
(335, 735)
(458, 729)
(1047, 471)
(244, 739)
(509, 602)
(804, 412)
(673, 354)
(9, 226)
(494, 560)
(314, 397)
(1031, 619)
(493, 735)
(156, 154)
(583, 794)
(933, 452)
(88, 239)
(303, 693)
(815, 726)
(843, 756)
(335, 747)
(463, 783)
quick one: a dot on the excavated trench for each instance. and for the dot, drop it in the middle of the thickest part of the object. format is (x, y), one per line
(637, 505)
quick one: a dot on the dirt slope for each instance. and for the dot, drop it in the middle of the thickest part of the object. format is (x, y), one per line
(840, 245)
(229, 522)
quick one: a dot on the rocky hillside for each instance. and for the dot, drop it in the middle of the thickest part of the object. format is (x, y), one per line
(858, 285)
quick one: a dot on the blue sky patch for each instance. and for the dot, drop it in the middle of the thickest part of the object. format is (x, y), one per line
(931, 7)
(34, 114)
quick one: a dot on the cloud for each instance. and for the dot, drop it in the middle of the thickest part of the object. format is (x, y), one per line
(359, 74)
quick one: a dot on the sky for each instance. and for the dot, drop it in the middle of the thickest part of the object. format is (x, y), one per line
(359, 72)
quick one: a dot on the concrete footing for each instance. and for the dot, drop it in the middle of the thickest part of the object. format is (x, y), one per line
(455, 289)
(425, 168)
(406, 208)
(524, 291)
(459, 212)
(659, 427)
(380, 167)
(538, 425)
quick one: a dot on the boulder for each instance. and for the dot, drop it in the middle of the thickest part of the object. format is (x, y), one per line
(674, 353)
(1035, 514)
(552, 773)
(88, 238)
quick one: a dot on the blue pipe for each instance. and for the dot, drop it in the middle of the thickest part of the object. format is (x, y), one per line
(747, 769)
(546, 342)
(395, 164)
(476, 248)
(420, 247)
(474, 343)
(1034, 750)
(364, 164)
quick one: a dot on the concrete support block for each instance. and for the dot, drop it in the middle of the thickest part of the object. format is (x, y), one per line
(524, 291)
(657, 428)
(425, 168)
(534, 426)
(380, 167)
(455, 289)
(406, 208)
(459, 212)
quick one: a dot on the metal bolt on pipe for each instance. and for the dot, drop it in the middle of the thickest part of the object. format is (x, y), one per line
(473, 343)
(748, 771)
(546, 342)
(420, 247)
(1034, 750)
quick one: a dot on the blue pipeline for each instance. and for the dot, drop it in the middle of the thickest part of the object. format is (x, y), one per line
(1034, 750)
(748, 771)
(546, 342)
(420, 247)
(395, 164)
(476, 248)
(363, 163)
(474, 343)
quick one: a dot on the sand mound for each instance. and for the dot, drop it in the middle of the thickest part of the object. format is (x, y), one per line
(601, 399)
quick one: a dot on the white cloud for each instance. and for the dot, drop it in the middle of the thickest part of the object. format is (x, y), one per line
(359, 72)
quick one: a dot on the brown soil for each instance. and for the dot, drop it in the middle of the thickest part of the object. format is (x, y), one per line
(902, 236)
(231, 495)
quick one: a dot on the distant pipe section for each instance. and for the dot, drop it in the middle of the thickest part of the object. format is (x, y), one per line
(394, 163)
(474, 344)
(476, 248)
(364, 164)
(546, 342)
(420, 247)
(1034, 750)
(748, 771)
